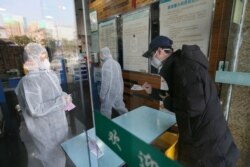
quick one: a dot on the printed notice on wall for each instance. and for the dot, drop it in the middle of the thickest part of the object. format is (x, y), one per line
(135, 40)
(93, 21)
(108, 37)
(186, 22)
(94, 42)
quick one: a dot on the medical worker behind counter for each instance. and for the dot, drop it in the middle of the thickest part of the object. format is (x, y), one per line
(111, 93)
(43, 103)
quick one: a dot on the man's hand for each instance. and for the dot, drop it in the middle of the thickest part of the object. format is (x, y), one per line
(147, 87)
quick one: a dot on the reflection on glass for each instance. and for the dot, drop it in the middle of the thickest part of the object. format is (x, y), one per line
(52, 24)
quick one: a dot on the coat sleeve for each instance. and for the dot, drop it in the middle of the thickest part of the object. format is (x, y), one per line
(156, 94)
(106, 79)
(35, 104)
(167, 102)
(193, 96)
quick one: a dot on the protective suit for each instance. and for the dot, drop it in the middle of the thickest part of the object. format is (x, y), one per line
(42, 102)
(111, 93)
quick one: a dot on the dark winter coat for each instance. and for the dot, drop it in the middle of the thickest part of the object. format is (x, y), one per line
(205, 139)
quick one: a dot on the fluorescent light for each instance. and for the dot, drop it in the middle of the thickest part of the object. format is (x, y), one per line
(2, 9)
(64, 8)
(49, 17)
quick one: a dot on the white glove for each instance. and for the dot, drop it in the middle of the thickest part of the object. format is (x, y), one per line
(68, 98)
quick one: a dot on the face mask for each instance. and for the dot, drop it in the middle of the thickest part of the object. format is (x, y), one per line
(156, 62)
(102, 59)
(45, 65)
(30, 66)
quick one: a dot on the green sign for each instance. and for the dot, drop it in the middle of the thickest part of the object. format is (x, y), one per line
(130, 148)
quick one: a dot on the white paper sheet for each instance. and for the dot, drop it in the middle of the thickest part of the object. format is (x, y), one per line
(94, 148)
(137, 87)
(93, 21)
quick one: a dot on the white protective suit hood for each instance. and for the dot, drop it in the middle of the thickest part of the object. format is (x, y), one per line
(105, 54)
(38, 55)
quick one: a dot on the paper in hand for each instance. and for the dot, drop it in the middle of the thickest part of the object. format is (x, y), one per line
(136, 87)
(70, 107)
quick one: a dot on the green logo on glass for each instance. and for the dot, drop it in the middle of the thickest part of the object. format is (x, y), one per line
(114, 139)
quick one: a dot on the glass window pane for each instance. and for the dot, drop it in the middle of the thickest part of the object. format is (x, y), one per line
(63, 90)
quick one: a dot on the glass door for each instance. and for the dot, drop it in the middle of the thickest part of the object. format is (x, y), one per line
(235, 76)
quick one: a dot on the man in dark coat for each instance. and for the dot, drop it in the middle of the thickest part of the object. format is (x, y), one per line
(205, 139)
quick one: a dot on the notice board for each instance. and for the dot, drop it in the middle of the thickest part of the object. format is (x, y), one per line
(108, 37)
(187, 22)
(135, 37)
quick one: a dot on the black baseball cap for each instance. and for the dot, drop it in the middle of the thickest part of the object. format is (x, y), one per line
(159, 41)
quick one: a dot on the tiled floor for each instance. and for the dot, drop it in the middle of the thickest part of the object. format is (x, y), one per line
(12, 152)
(19, 150)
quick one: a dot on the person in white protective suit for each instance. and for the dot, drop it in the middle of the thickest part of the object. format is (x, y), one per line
(43, 104)
(111, 93)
